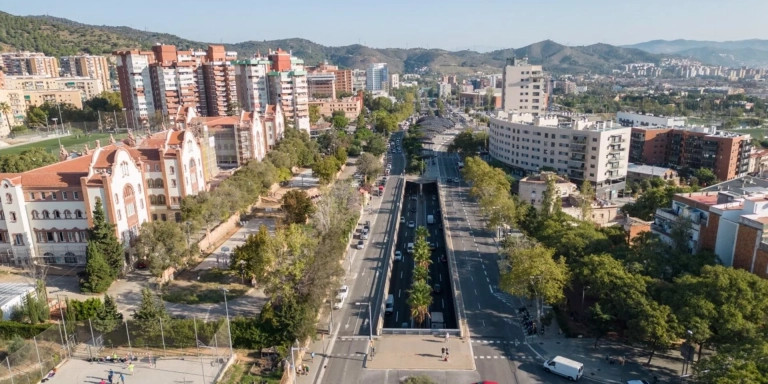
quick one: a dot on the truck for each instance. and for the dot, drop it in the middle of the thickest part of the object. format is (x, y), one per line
(430, 219)
(570, 369)
(437, 320)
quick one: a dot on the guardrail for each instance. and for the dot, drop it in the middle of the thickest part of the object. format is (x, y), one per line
(390, 256)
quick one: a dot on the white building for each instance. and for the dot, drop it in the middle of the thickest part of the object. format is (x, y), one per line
(358, 80)
(88, 87)
(252, 87)
(377, 77)
(629, 119)
(133, 69)
(46, 212)
(524, 88)
(394, 81)
(531, 188)
(583, 150)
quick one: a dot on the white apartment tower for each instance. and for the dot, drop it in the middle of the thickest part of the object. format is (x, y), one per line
(377, 77)
(597, 151)
(524, 87)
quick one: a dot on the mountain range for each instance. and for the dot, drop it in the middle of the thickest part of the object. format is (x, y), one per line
(752, 53)
(57, 37)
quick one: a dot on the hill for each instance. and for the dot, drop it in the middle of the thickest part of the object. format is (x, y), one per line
(57, 37)
(753, 52)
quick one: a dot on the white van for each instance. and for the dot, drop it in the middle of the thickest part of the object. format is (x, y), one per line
(570, 369)
(390, 306)
(409, 247)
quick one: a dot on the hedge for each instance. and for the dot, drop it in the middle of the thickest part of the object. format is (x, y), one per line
(8, 329)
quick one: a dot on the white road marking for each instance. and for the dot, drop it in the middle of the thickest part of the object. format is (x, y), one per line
(491, 288)
(399, 291)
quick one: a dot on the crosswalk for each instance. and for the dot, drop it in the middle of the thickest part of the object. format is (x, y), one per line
(482, 341)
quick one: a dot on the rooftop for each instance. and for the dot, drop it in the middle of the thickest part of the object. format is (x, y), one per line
(647, 169)
(10, 291)
(747, 185)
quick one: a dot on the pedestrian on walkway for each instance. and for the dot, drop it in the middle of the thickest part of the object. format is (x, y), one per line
(130, 368)
(122, 378)
(446, 336)
(110, 375)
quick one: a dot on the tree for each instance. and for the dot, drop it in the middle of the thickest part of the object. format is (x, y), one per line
(551, 202)
(162, 244)
(339, 120)
(532, 272)
(5, 110)
(384, 122)
(297, 206)
(376, 145)
(748, 364)
(341, 155)
(314, 114)
(362, 133)
(360, 122)
(26, 160)
(369, 166)
(36, 117)
(326, 168)
(419, 300)
(705, 176)
(150, 308)
(586, 197)
(103, 235)
(98, 274)
(381, 103)
(419, 379)
(256, 256)
(655, 326)
(108, 317)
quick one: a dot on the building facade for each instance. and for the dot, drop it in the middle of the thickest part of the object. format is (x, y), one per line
(524, 87)
(358, 80)
(352, 106)
(46, 212)
(636, 173)
(727, 154)
(29, 63)
(377, 77)
(87, 66)
(220, 85)
(531, 188)
(88, 87)
(581, 149)
(136, 84)
(14, 99)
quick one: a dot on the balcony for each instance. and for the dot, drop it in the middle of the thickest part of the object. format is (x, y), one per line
(578, 148)
(579, 140)
(579, 167)
(578, 157)
(616, 148)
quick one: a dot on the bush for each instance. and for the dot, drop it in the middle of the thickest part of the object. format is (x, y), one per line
(9, 329)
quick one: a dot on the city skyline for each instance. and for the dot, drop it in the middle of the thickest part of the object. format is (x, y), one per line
(449, 25)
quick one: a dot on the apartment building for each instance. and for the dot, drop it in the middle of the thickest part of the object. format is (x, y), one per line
(727, 154)
(318, 80)
(65, 96)
(629, 119)
(15, 99)
(321, 85)
(581, 149)
(359, 80)
(220, 86)
(29, 63)
(394, 81)
(87, 86)
(729, 219)
(352, 106)
(135, 83)
(87, 66)
(377, 77)
(45, 212)
(524, 87)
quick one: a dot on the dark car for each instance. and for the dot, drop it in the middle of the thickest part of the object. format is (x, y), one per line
(436, 288)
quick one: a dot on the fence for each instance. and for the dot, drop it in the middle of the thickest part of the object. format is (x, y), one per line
(96, 339)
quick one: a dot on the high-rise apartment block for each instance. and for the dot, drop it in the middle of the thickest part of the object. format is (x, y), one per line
(279, 78)
(29, 63)
(524, 87)
(581, 149)
(727, 154)
(358, 80)
(87, 86)
(167, 80)
(94, 67)
(377, 77)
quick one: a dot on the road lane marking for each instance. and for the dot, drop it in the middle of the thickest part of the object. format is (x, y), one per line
(491, 288)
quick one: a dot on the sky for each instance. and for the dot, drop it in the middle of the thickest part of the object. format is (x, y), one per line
(449, 24)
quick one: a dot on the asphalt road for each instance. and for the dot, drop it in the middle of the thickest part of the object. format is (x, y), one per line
(364, 278)
(420, 200)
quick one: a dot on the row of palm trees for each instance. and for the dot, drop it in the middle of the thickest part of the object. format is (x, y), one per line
(420, 294)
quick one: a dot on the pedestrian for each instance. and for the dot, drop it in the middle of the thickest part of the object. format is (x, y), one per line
(122, 378)
(446, 337)
(102, 382)
(313, 356)
(150, 360)
(130, 368)
(110, 375)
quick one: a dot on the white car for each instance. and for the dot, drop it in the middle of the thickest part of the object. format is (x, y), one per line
(360, 244)
(341, 295)
(398, 256)
(411, 224)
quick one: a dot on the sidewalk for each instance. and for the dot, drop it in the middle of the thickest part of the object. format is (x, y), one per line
(422, 352)
(220, 258)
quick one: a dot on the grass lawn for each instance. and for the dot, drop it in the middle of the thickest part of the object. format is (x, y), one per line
(238, 374)
(71, 143)
(197, 293)
(756, 133)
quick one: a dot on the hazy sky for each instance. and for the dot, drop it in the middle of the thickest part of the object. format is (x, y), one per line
(449, 24)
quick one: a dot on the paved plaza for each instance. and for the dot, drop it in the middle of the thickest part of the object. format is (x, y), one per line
(190, 370)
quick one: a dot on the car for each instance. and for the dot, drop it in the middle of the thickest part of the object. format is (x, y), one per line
(436, 288)
(341, 295)
(413, 197)
(398, 256)
(402, 219)
(456, 180)
(411, 224)
(364, 236)
(360, 244)
(443, 258)
(433, 245)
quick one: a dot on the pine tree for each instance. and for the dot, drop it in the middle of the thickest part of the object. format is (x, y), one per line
(108, 317)
(98, 275)
(103, 234)
(585, 202)
(151, 308)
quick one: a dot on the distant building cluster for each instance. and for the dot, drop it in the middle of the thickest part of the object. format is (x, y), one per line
(688, 69)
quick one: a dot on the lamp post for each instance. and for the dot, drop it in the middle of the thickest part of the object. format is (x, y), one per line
(229, 329)
(293, 361)
(125, 118)
(55, 125)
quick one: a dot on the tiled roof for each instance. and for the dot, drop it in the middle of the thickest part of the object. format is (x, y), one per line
(62, 174)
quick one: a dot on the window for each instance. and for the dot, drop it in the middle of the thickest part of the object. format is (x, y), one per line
(124, 168)
(70, 237)
(56, 214)
(117, 199)
(119, 215)
(40, 237)
(53, 195)
(65, 195)
(173, 183)
(35, 215)
(48, 258)
(163, 217)
(49, 237)
(46, 214)
(18, 239)
(172, 170)
(42, 195)
(76, 195)
(60, 236)
(159, 183)
(2, 215)
(78, 214)
(8, 198)
(157, 167)
(154, 217)
(12, 216)
(31, 195)
(70, 258)
(3, 237)
(67, 214)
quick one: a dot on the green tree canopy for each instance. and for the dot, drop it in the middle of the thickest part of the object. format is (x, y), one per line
(98, 274)
(162, 244)
(297, 206)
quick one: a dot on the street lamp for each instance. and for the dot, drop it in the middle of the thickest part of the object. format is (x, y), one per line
(125, 118)
(293, 361)
(55, 126)
(229, 329)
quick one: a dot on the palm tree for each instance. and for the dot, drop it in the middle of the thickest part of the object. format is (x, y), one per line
(5, 109)
(420, 273)
(419, 299)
